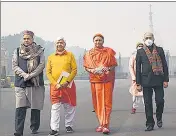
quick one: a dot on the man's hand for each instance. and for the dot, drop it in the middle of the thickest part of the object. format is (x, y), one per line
(64, 85)
(58, 86)
(105, 69)
(97, 71)
(27, 77)
(165, 84)
(133, 81)
(139, 88)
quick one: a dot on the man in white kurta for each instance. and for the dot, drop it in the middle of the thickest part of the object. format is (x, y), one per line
(136, 95)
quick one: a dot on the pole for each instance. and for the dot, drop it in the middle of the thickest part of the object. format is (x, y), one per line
(0, 63)
(0, 76)
(150, 19)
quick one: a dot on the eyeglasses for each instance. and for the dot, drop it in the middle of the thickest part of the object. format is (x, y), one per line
(98, 40)
(60, 42)
(26, 38)
(148, 38)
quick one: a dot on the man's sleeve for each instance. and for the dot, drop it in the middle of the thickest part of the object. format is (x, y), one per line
(74, 69)
(49, 71)
(131, 67)
(165, 67)
(17, 70)
(138, 68)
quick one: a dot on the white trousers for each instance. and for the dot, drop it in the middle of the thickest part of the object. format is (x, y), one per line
(69, 112)
(137, 100)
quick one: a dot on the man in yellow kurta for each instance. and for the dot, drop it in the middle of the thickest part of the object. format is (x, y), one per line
(65, 93)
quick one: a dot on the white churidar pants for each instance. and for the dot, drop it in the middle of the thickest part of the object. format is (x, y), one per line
(69, 112)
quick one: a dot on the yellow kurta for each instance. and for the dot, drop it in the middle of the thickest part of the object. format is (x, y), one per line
(58, 63)
(55, 65)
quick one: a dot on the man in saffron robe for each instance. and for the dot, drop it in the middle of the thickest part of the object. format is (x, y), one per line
(62, 94)
(100, 62)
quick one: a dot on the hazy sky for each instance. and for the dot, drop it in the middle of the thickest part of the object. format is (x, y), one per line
(122, 24)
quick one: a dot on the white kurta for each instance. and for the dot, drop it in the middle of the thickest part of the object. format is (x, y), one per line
(32, 97)
(132, 68)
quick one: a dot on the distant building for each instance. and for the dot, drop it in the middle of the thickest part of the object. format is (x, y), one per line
(123, 64)
(167, 55)
(172, 65)
(4, 55)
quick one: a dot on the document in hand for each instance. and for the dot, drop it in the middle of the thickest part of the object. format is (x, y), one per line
(63, 78)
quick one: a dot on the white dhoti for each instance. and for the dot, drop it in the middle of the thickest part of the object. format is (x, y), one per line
(69, 112)
(137, 100)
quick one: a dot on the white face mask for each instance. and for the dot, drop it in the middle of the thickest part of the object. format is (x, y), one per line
(139, 48)
(148, 42)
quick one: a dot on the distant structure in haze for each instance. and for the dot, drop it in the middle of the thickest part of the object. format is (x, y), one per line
(151, 28)
(150, 20)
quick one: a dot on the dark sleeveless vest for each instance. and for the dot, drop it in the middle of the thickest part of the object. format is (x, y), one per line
(19, 81)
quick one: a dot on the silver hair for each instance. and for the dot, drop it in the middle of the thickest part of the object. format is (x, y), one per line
(60, 38)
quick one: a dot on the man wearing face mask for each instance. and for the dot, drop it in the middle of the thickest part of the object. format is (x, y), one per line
(60, 94)
(28, 62)
(152, 74)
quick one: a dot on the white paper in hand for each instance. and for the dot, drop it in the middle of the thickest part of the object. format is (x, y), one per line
(63, 78)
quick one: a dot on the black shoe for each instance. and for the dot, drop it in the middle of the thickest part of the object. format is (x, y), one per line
(34, 132)
(93, 110)
(159, 123)
(69, 129)
(149, 128)
(17, 134)
(53, 133)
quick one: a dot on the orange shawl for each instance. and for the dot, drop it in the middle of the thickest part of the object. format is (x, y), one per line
(100, 57)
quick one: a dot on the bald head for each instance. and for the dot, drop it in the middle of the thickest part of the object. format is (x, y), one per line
(148, 38)
(148, 35)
